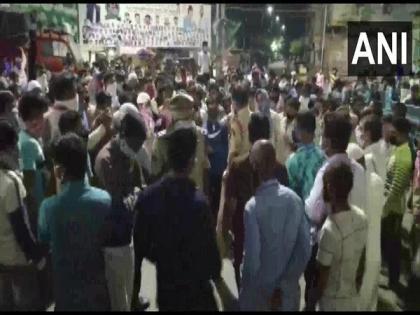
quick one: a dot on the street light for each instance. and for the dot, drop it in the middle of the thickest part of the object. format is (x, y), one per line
(277, 19)
(270, 9)
(283, 27)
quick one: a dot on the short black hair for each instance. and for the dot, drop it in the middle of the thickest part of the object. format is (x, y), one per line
(147, 16)
(306, 121)
(133, 126)
(373, 124)
(258, 127)
(6, 100)
(402, 125)
(103, 99)
(8, 135)
(69, 122)
(294, 103)
(338, 129)
(127, 97)
(240, 95)
(70, 152)
(62, 84)
(190, 8)
(205, 44)
(108, 76)
(400, 110)
(182, 145)
(341, 178)
(32, 105)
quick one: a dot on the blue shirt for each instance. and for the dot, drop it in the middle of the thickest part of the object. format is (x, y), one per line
(33, 160)
(277, 247)
(71, 223)
(302, 168)
(218, 140)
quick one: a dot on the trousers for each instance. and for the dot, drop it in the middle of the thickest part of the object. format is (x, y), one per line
(19, 291)
(391, 246)
(119, 271)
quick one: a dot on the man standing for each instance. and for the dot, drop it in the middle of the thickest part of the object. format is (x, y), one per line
(303, 166)
(174, 230)
(204, 64)
(31, 110)
(239, 145)
(286, 129)
(19, 253)
(182, 112)
(119, 174)
(66, 98)
(399, 170)
(342, 244)
(277, 240)
(239, 185)
(217, 140)
(336, 137)
(71, 224)
(375, 161)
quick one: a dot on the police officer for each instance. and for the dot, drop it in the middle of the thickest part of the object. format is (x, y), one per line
(182, 111)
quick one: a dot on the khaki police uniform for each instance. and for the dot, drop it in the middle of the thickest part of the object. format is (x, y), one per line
(181, 108)
(239, 144)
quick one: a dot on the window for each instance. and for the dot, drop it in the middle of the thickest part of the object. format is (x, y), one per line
(60, 49)
(47, 49)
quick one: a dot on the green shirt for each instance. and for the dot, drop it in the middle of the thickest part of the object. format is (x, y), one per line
(302, 168)
(398, 178)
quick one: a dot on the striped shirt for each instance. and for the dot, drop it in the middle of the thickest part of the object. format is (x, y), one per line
(398, 179)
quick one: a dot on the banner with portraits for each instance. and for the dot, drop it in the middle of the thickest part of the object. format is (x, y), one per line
(131, 26)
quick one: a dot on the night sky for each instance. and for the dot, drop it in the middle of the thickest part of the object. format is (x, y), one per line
(258, 26)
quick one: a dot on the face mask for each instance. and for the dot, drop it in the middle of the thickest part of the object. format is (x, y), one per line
(112, 89)
(359, 139)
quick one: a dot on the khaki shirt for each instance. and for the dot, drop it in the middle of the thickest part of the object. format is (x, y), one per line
(283, 149)
(239, 144)
(160, 164)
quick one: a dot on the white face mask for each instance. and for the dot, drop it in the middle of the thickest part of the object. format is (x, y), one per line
(112, 89)
(358, 133)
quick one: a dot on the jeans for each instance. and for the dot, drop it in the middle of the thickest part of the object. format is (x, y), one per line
(19, 291)
(391, 246)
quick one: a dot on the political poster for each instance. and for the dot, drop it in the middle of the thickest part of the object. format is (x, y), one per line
(131, 26)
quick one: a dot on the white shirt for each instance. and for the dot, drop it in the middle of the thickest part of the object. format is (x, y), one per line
(10, 252)
(315, 205)
(204, 62)
(343, 238)
(304, 103)
(380, 154)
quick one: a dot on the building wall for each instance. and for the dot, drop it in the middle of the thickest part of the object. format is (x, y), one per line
(340, 14)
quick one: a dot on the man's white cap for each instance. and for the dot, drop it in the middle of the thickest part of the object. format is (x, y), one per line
(34, 84)
(143, 98)
(293, 73)
(122, 111)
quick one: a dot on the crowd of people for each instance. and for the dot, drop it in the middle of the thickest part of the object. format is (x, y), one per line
(287, 179)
